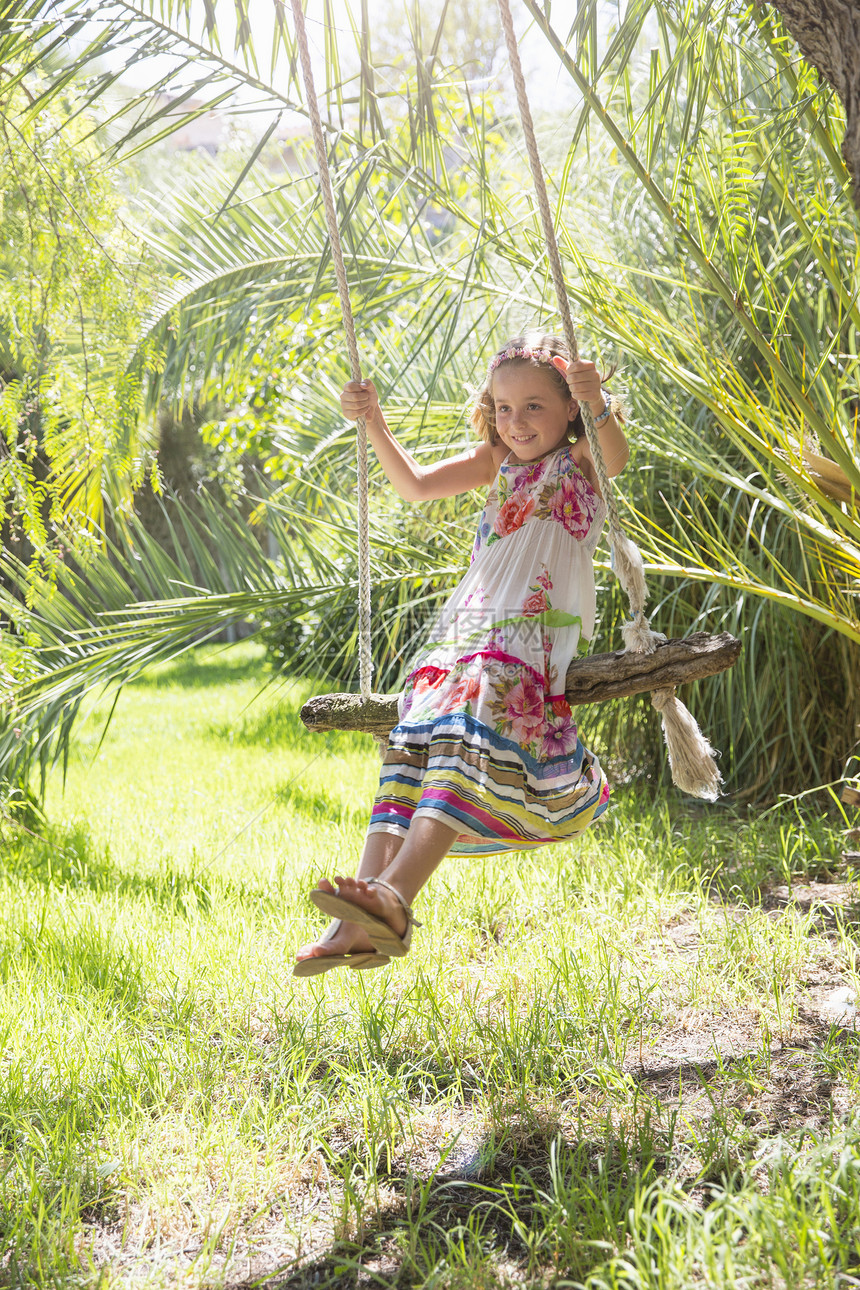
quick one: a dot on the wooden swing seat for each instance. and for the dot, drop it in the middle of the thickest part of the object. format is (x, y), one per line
(589, 680)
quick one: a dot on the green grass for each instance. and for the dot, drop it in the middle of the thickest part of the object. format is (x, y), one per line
(603, 1064)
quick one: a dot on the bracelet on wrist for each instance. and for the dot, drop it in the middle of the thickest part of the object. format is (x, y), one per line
(607, 409)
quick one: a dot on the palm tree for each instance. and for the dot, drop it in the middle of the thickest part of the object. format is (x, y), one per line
(706, 225)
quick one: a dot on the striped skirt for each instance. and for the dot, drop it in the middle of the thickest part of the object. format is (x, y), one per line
(500, 798)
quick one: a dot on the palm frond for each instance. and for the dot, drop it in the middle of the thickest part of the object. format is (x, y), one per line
(98, 622)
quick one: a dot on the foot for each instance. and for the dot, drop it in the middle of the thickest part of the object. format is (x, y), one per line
(376, 900)
(339, 938)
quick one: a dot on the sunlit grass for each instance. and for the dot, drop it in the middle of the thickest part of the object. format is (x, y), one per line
(600, 1063)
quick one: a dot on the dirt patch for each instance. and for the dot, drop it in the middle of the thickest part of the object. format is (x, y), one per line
(830, 902)
(698, 1039)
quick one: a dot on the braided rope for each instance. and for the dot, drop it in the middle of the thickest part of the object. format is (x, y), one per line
(365, 664)
(618, 538)
(691, 757)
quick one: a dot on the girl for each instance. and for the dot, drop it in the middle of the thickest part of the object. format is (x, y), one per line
(485, 757)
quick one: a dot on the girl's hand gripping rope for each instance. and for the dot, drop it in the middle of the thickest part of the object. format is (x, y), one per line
(359, 399)
(583, 380)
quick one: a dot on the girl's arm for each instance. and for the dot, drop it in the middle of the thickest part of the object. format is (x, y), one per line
(613, 442)
(475, 468)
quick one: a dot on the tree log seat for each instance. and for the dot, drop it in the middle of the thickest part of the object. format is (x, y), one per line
(591, 679)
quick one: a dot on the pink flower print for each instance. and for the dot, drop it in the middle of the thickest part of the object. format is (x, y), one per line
(566, 508)
(544, 580)
(524, 709)
(560, 737)
(513, 514)
(535, 604)
(528, 475)
(428, 678)
(465, 691)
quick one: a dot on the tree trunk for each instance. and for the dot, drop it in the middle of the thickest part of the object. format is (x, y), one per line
(828, 34)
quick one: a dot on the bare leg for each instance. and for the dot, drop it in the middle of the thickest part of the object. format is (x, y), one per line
(406, 863)
(426, 844)
(377, 854)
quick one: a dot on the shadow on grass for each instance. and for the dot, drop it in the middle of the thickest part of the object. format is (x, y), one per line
(521, 1206)
(67, 857)
(834, 905)
(204, 667)
(321, 808)
(737, 1102)
(281, 726)
(527, 1206)
(77, 961)
(766, 855)
(278, 726)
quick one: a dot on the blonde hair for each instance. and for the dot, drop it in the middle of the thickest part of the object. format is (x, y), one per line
(531, 349)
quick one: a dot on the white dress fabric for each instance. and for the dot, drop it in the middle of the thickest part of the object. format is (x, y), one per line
(486, 741)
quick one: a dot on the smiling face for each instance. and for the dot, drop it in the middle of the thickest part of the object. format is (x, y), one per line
(532, 413)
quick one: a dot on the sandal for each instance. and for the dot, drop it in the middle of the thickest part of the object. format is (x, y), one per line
(320, 963)
(382, 934)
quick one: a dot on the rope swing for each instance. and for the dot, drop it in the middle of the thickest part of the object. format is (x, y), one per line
(691, 757)
(365, 662)
(649, 663)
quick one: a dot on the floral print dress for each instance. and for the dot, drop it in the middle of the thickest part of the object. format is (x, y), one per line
(486, 741)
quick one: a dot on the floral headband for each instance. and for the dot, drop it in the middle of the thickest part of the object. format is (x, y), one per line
(522, 351)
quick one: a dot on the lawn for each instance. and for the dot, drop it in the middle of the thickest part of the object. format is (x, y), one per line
(626, 1063)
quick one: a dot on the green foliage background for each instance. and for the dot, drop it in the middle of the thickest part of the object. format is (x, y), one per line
(703, 214)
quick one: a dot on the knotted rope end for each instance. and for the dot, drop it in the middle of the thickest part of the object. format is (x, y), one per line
(640, 637)
(692, 759)
(629, 570)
